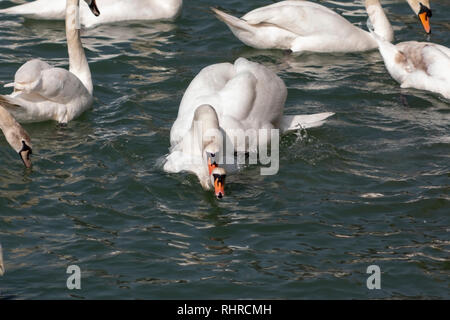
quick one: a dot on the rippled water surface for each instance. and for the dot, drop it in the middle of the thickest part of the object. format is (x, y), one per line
(369, 187)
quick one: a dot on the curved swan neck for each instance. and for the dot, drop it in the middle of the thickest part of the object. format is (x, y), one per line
(78, 64)
(6, 119)
(12, 130)
(379, 20)
(205, 126)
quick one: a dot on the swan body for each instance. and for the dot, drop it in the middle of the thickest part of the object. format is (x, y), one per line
(305, 26)
(42, 92)
(16, 136)
(227, 100)
(420, 65)
(112, 10)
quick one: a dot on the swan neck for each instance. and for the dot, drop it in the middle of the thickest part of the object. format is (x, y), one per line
(379, 20)
(6, 119)
(205, 127)
(78, 63)
(11, 129)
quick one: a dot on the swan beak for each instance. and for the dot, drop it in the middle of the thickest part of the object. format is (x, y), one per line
(424, 16)
(25, 154)
(211, 166)
(94, 8)
(219, 188)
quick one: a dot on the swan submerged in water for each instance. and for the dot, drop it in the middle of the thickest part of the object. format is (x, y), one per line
(223, 103)
(42, 92)
(306, 26)
(112, 10)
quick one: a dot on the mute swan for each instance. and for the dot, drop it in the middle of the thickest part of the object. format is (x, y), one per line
(2, 267)
(423, 10)
(222, 101)
(306, 26)
(16, 136)
(112, 10)
(42, 92)
(420, 65)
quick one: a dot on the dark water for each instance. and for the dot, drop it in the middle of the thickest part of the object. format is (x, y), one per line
(371, 187)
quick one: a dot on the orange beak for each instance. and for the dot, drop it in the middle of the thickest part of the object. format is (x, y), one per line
(211, 166)
(425, 21)
(219, 189)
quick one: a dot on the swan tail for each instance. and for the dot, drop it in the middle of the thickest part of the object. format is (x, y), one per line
(231, 21)
(292, 123)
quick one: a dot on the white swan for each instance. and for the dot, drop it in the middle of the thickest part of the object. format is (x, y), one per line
(112, 10)
(42, 92)
(16, 136)
(306, 26)
(423, 10)
(420, 65)
(221, 102)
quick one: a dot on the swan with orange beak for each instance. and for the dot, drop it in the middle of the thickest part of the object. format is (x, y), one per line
(423, 10)
(200, 150)
(226, 105)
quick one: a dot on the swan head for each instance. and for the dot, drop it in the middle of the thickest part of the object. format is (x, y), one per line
(93, 6)
(218, 176)
(424, 16)
(25, 153)
(20, 141)
(423, 10)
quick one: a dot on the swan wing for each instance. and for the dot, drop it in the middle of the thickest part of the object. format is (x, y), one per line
(300, 17)
(38, 78)
(42, 92)
(424, 57)
(427, 66)
(261, 94)
(202, 90)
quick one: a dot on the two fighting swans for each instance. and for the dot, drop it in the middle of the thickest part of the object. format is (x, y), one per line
(42, 92)
(223, 103)
(112, 10)
(305, 26)
(16, 136)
